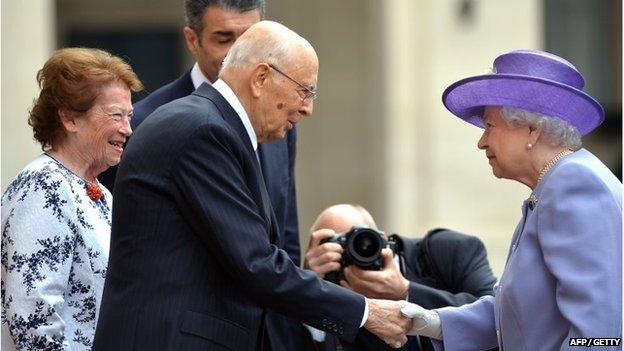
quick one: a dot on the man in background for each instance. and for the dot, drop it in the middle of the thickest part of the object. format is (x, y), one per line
(445, 268)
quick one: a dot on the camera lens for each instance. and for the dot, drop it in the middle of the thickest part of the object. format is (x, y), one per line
(365, 246)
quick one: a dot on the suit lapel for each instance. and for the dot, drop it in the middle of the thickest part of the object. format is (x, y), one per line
(272, 158)
(227, 113)
(233, 120)
(266, 203)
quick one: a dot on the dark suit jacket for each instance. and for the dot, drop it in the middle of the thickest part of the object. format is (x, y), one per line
(193, 262)
(277, 160)
(445, 268)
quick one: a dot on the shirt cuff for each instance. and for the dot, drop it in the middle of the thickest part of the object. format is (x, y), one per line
(317, 335)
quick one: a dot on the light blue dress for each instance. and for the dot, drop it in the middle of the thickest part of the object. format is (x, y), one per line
(55, 243)
(563, 276)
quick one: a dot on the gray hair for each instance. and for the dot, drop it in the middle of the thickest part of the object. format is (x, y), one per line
(277, 47)
(555, 131)
(195, 10)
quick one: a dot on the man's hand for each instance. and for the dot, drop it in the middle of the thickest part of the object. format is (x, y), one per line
(322, 258)
(387, 283)
(386, 321)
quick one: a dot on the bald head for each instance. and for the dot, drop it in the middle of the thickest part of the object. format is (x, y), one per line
(270, 42)
(341, 218)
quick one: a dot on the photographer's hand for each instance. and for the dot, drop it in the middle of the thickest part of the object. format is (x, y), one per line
(387, 283)
(322, 258)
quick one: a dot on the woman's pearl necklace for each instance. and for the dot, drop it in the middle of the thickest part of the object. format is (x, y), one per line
(552, 162)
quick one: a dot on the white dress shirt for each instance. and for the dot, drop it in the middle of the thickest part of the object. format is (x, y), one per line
(198, 79)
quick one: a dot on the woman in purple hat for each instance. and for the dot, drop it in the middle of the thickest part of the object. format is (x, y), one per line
(562, 282)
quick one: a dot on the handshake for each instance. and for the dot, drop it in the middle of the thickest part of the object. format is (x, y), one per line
(392, 321)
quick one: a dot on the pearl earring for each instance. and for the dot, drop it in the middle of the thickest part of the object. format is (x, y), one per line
(529, 146)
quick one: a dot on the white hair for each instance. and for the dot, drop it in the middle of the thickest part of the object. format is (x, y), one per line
(249, 51)
(277, 46)
(555, 131)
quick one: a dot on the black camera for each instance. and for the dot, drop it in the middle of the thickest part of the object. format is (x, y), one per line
(361, 247)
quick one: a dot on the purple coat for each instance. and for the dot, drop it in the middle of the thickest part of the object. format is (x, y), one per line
(563, 276)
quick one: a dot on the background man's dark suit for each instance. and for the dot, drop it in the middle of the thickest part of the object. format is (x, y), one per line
(445, 268)
(192, 266)
(277, 160)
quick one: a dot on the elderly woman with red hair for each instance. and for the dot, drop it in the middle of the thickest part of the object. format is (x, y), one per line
(56, 217)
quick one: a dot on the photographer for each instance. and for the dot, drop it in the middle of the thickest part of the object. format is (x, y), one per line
(444, 268)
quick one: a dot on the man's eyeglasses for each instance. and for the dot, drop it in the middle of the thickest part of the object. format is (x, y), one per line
(309, 94)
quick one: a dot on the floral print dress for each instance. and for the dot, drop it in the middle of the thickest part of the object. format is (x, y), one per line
(55, 243)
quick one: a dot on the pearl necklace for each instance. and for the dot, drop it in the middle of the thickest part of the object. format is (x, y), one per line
(552, 162)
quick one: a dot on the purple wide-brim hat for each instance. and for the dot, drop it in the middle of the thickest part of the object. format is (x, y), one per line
(531, 80)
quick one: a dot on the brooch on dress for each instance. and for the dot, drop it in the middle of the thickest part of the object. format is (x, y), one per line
(532, 202)
(94, 191)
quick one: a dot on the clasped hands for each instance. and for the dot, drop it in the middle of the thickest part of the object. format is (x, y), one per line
(393, 326)
(389, 320)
